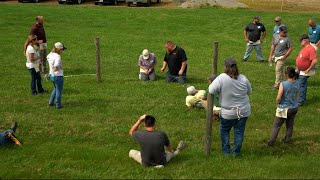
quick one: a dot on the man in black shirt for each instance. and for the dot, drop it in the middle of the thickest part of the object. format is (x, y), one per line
(254, 30)
(152, 143)
(176, 60)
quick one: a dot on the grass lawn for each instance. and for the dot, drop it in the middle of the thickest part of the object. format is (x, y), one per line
(88, 138)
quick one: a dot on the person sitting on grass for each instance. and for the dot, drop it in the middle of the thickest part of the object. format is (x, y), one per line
(194, 97)
(287, 106)
(216, 105)
(8, 137)
(147, 61)
(152, 143)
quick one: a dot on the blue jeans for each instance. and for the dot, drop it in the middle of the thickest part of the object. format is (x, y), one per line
(35, 81)
(57, 91)
(249, 50)
(302, 89)
(238, 127)
(3, 139)
(180, 79)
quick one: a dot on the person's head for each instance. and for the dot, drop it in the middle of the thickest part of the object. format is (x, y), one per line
(149, 121)
(145, 54)
(169, 45)
(311, 23)
(283, 31)
(256, 19)
(277, 20)
(212, 78)
(291, 73)
(191, 90)
(58, 48)
(31, 40)
(231, 68)
(304, 40)
(40, 20)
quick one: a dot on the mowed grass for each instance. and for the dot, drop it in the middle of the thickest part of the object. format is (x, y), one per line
(88, 138)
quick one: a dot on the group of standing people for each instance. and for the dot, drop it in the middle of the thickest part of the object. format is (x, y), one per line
(35, 50)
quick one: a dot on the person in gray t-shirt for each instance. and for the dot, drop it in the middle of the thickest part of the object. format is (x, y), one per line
(152, 143)
(233, 89)
(280, 49)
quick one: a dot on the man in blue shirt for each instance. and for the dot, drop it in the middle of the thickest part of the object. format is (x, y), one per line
(278, 22)
(314, 34)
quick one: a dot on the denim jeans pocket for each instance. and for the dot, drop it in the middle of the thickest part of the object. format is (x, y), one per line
(54, 78)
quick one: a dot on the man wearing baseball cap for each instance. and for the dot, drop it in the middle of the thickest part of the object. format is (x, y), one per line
(280, 49)
(194, 97)
(253, 38)
(276, 28)
(305, 62)
(147, 62)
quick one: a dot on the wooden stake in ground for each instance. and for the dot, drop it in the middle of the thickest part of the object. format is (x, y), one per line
(210, 101)
(98, 69)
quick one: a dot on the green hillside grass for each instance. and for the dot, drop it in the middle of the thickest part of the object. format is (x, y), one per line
(88, 137)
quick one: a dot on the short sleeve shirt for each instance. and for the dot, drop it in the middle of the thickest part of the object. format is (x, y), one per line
(192, 100)
(305, 57)
(314, 33)
(254, 31)
(276, 30)
(38, 30)
(282, 45)
(148, 63)
(152, 146)
(174, 60)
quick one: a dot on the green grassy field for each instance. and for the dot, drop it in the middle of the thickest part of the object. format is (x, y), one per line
(88, 138)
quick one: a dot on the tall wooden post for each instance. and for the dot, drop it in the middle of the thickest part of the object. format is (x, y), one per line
(98, 68)
(215, 57)
(209, 123)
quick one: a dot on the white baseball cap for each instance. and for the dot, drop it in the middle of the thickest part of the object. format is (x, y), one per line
(59, 45)
(145, 54)
(191, 90)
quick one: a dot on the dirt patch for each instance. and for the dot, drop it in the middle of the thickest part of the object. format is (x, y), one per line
(212, 3)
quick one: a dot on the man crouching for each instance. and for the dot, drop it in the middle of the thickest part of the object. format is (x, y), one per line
(152, 143)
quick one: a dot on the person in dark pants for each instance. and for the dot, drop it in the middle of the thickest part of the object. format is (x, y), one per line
(8, 137)
(152, 143)
(33, 59)
(38, 30)
(287, 106)
(176, 60)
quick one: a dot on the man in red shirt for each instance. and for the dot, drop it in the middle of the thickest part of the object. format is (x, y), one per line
(305, 62)
(38, 30)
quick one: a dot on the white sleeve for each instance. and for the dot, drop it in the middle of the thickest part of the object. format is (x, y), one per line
(57, 62)
(215, 86)
(30, 50)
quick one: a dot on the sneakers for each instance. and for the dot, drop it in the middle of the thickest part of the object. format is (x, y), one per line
(159, 166)
(181, 145)
(14, 126)
(43, 91)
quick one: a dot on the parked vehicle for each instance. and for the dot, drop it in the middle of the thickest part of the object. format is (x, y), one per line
(70, 1)
(115, 2)
(141, 2)
(35, 1)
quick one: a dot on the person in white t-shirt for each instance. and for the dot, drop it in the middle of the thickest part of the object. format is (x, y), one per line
(194, 97)
(56, 73)
(33, 60)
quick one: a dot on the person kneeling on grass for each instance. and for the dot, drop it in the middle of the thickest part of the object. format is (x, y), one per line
(287, 106)
(8, 137)
(216, 105)
(152, 144)
(194, 97)
(147, 61)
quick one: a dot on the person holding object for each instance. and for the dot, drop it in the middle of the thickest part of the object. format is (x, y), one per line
(280, 49)
(233, 89)
(314, 34)
(56, 74)
(147, 61)
(33, 60)
(287, 106)
(194, 97)
(38, 30)
(176, 60)
(306, 63)
(8, 137)
(253, 38)
(152, 143)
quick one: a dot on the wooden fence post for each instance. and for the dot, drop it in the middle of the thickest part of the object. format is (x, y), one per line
(209, 123)
(98, 68)
(215, 57)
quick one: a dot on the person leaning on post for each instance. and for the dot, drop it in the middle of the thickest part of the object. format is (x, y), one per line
(233, 89)
(176, 60)
(147, 62)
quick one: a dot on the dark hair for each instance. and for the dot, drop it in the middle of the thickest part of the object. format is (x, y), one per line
(232, 71)
(149, 121)
(291, 72)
